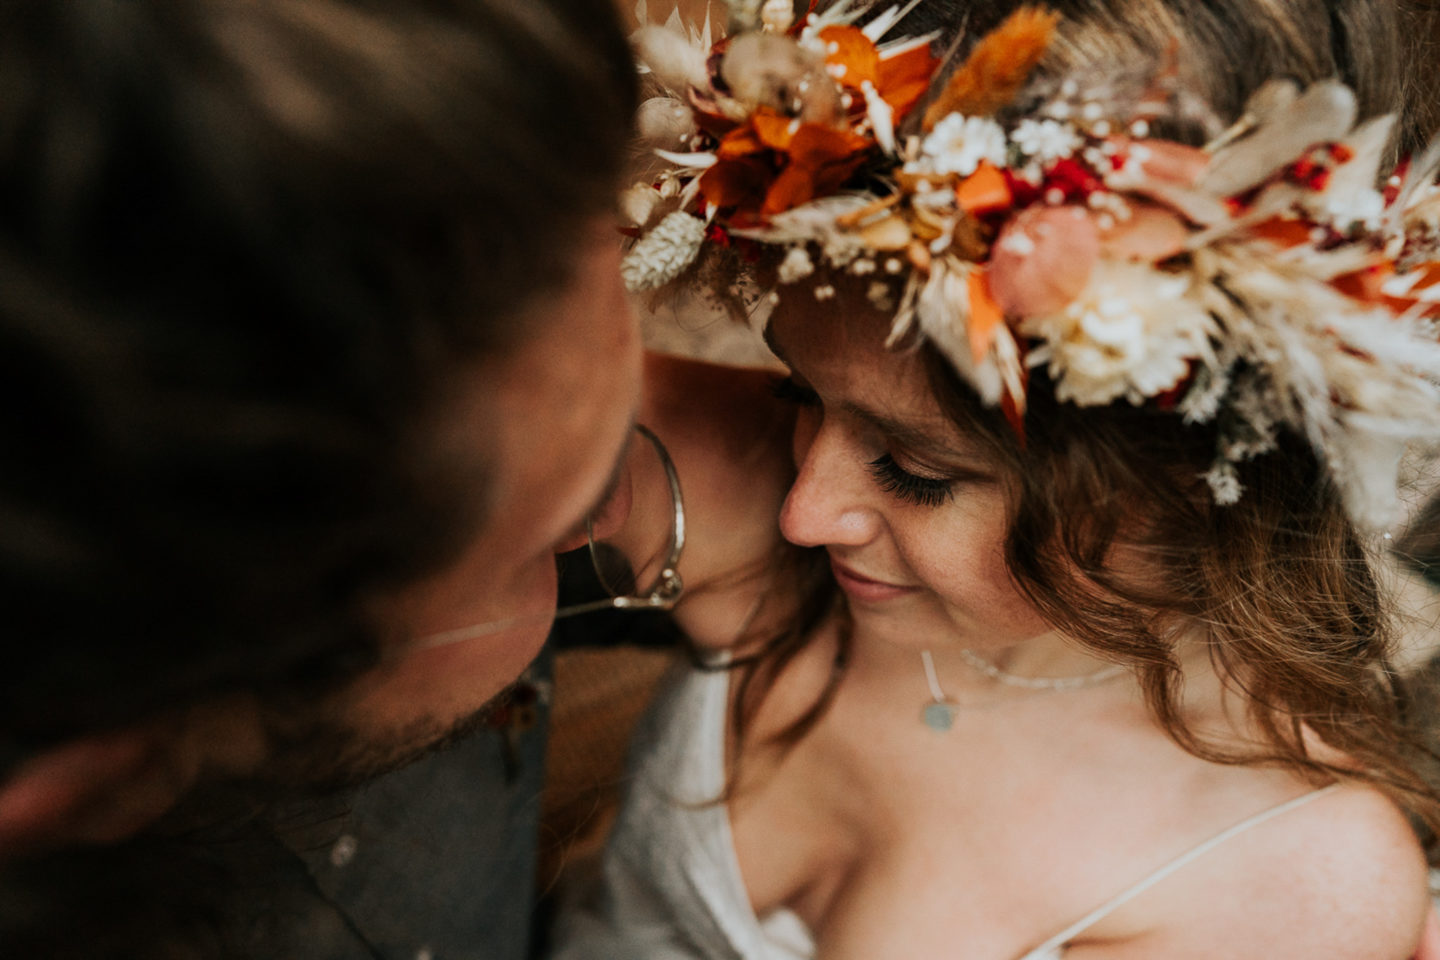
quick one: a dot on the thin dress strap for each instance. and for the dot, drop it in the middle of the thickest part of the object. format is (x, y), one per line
(1110, 906)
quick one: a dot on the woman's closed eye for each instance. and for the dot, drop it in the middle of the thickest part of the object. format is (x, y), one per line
(910, 487)
(905, 485)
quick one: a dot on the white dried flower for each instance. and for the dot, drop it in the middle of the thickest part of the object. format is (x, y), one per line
(879, 295)
(958, 144)
(881, 115)
(796, 266)
(663, 254)
(777, 16)
(840, 248)
(1133, 333)
(1060, 110)
(1225, 485)
(1201, 402)
(1345, 210)
(638, 203)
(1046, 140)
(664, 122)
(825, 292)
(671, 57)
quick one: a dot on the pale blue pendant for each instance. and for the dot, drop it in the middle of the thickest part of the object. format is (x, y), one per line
(939, 716)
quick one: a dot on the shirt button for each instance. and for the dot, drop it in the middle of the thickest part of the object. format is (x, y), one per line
(343, 851)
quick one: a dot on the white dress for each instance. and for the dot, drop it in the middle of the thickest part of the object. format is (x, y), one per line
(669, 884)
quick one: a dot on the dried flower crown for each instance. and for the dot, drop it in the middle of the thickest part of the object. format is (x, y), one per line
(1266, 280)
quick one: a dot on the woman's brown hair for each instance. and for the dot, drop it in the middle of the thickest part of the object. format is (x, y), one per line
(1282, 583)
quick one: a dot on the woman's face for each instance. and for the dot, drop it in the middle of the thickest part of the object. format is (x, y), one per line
(912, 512)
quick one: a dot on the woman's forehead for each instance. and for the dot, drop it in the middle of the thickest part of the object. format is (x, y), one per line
(843, 355)
(839, 341)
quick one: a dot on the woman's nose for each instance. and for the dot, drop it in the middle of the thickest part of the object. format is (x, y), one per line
(827, 504)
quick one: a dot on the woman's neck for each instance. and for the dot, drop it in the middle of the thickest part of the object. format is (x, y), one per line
(960, 669)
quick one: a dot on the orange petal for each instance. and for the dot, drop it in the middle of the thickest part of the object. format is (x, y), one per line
(1368, 285)
(985, 315)
(1282, 232)
(1429, 278)
(736, 183)
(773, 130)
(802, 182)
(832, 176)
(815, 145)
(1014, 409)
(794, 186)
(984, 191)
(853, 51)
(740, 143)
(904, 79)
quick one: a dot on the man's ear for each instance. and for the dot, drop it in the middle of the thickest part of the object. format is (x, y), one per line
(99, 789)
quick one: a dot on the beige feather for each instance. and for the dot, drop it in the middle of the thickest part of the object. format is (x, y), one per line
(675, 62)
(1325, 112)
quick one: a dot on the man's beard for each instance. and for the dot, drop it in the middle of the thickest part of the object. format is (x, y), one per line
(323, 756)
(315, 756)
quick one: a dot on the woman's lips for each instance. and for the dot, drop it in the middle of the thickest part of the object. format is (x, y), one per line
(860, 587)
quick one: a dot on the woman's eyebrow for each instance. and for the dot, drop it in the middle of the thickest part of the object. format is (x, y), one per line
(912, 436)
(915, 439)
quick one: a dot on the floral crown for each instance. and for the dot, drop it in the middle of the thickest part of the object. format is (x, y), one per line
(1266, 280)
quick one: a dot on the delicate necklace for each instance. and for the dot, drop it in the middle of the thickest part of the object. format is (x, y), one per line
(1039, 683)
(939, 713)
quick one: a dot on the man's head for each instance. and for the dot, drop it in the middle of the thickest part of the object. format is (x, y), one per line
(310, 343)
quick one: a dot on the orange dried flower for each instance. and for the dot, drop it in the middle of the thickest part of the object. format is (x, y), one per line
(773, 163)
(900, 80)
(905, 77)
(991, 77)
(848, 47)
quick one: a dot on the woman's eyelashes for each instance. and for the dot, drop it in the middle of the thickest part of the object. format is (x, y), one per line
(909, 487)
(889, 476)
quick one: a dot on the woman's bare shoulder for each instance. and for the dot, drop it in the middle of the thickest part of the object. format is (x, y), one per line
(1341, 877)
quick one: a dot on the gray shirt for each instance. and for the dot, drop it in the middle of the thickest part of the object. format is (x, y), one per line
(435, 861)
